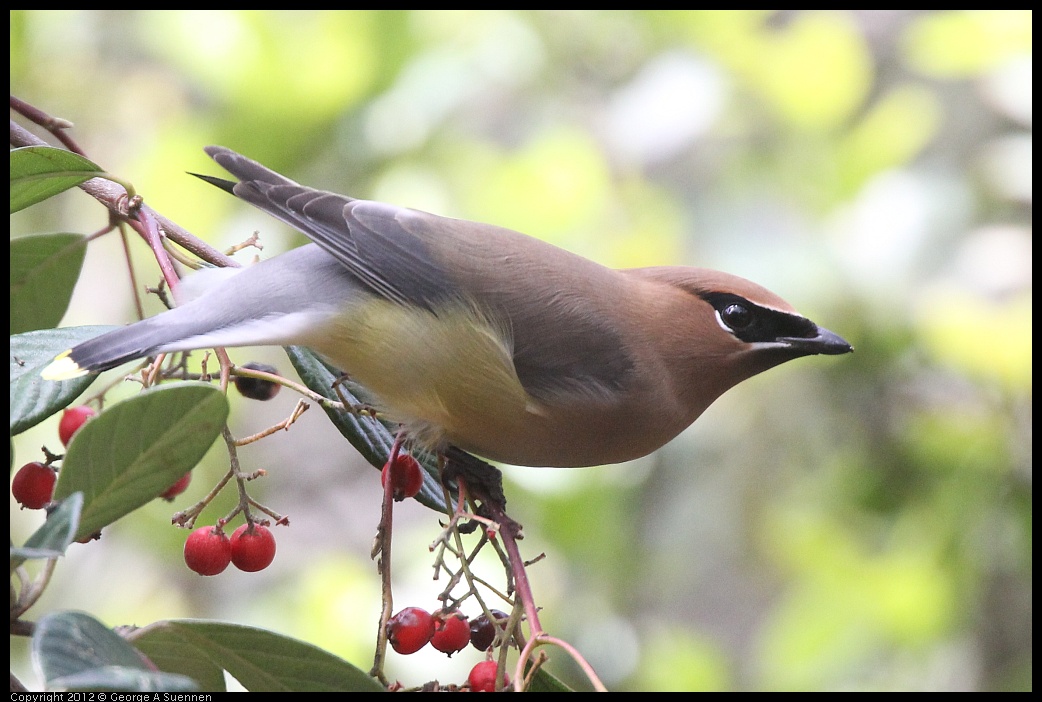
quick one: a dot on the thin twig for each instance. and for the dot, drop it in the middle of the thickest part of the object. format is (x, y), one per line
(300, 408)
(382, 552)
(54, 125)
(114, 197)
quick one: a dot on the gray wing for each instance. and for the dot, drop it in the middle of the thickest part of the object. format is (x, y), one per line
(366, 237)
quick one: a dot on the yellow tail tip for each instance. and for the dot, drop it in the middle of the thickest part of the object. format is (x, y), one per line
(62, 368)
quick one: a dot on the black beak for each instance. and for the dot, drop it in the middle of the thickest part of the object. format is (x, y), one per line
(824, 342)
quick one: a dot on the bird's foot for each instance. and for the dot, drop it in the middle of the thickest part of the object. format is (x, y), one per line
(484, 483)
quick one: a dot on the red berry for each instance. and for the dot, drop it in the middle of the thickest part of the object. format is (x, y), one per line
(255, 388)
(71, 421)
(33, 485)
(482, 677)
(410, 630)
(208, 551)
(177, 488)
(252, 551)
(451, 632)
(406, 476)
(483, 631)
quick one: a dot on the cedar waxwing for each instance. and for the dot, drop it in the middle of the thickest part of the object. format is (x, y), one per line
(476, 336)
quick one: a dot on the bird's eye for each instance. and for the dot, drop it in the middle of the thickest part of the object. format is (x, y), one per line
(736, 316)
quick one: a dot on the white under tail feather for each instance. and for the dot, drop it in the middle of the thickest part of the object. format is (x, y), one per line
(180, 332)
(194, 286)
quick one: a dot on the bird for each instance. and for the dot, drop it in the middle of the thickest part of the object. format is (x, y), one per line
(473, 336)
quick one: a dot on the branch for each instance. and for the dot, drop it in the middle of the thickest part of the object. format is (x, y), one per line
(114, 198)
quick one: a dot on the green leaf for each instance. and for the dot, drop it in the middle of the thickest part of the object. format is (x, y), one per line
(133, 451)
(44, 270)
(262, 661)
(174, 648)
(34, 399)
(39, 172)
(51, 539)
(373, 438)
(544, 682)
(116, 677)
(72, 650)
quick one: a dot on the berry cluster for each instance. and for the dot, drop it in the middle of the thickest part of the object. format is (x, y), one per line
(33, 484)
(208, 550)
(448, 631)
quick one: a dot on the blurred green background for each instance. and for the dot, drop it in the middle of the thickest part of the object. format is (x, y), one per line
(861, 522)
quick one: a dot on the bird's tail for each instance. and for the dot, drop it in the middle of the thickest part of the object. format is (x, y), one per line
(117, 347)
